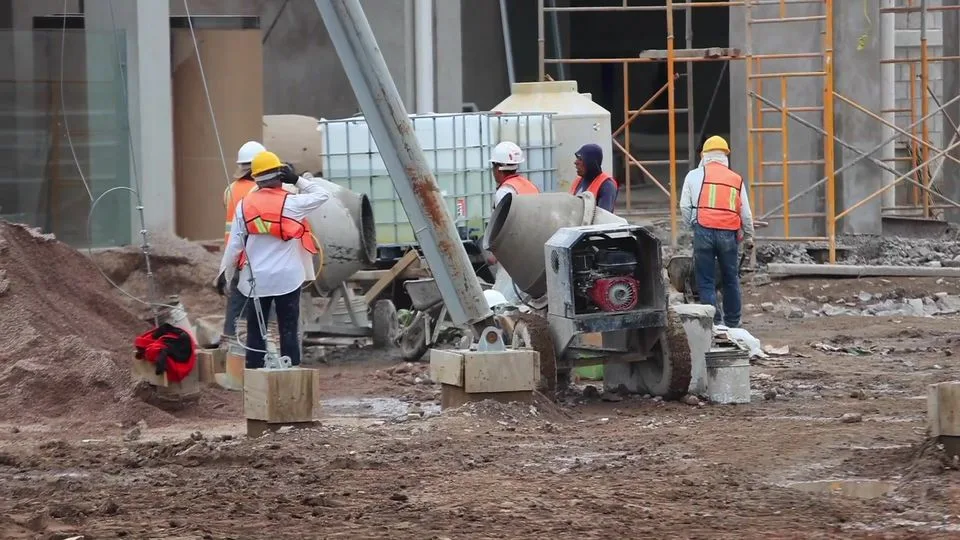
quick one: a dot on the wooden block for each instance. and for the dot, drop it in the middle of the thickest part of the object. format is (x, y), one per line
(147, 371)
(205, 364)
(508, 371)
(220, 360)
(454, 396)
(446, 367)
(943, 409)
(235, 365)
(281, 395)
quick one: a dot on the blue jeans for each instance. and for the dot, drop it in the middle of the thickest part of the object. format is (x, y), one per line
(236, 307)
(288, 324)
(715, 249)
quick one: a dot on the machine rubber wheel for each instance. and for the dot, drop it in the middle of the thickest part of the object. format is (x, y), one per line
(386, 327)
(413, 340)
(533, 332)
(668, 372)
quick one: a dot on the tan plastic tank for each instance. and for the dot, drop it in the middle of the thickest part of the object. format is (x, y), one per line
(577, 121)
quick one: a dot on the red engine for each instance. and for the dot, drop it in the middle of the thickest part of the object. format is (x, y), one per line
(618, 293)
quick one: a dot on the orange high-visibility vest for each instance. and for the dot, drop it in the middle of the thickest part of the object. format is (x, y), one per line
(520, 185)
(594, 186)
(234, 193)
(263, 214)
(718, 205)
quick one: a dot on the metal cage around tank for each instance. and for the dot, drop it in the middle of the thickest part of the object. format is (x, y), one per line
(457, 147)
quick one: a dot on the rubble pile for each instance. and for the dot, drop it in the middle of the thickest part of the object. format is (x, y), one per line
(872, 251)
(67, 340)
(866, 304)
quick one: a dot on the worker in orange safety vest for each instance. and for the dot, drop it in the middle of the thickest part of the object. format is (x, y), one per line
(505, 159)
(238, 189)
(273, 246)
(591, 178)
(714, 204)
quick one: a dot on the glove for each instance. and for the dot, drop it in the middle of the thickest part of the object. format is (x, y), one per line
(221, 284)
(288, 175)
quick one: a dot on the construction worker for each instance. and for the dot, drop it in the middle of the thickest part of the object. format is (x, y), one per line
(591, 178)
(242, 184)
(715, 205)
(505, 160)
(272, 244)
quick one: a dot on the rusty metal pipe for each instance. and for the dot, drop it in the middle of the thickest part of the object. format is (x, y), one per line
(412, 178)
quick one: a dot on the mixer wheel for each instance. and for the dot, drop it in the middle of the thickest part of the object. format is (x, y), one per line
(385, 325)
(668, 371)
(533, 332)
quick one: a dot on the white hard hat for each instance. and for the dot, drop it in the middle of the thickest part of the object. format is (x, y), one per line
(494, 298)
(248, 150)
(507, 154)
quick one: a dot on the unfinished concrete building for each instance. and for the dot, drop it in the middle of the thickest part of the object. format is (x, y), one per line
(825, 103)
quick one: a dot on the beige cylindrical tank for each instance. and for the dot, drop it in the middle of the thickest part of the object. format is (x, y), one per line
(577, 121)
(296, 139)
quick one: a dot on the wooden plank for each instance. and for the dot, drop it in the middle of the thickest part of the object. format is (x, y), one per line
(509, 371)
(446, 367)
(387, 279)
(281, 395)
(947, 408)
(933, 410)
(857, 271)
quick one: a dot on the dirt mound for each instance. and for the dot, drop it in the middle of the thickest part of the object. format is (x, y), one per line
(180, 267)
(66, 342)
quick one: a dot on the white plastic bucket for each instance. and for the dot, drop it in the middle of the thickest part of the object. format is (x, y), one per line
(728, 376)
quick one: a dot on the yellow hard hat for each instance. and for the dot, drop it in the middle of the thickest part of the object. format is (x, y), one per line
(713, 144)
(264, 162)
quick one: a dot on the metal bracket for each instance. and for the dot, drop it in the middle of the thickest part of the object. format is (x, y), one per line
(491, 340)
(272, 361)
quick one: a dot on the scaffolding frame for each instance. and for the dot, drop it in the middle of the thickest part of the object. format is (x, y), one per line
(923, 153)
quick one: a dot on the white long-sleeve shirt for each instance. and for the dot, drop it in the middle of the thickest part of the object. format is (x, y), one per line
(279, 266)
(692, 184)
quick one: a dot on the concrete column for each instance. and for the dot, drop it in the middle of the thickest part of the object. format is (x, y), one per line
(449, 62)
(856, 73)
(951, 87)
(146, 25)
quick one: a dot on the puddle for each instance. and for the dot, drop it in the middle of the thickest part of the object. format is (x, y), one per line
(858, 488)
(371, 407)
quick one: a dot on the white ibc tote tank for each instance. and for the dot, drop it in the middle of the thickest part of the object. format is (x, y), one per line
(577, 121)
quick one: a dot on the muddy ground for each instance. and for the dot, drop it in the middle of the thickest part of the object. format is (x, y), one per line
(386, 464)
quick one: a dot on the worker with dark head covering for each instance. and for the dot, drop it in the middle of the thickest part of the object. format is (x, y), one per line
(591, 178)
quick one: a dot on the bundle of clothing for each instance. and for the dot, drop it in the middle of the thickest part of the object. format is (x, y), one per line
(170, 349)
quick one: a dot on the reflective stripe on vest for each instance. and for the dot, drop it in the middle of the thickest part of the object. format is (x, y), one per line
(234, 193)
(594, 186)
(520, 185)
(718, 204)
(263, 214)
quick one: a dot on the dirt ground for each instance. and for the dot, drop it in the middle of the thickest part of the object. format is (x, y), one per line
(385, 463)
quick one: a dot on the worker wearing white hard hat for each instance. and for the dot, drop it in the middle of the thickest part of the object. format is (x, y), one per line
(505, 161)
(242, 185)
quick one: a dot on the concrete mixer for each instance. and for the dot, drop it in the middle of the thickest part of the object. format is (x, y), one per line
(593, 290)
(345, 232)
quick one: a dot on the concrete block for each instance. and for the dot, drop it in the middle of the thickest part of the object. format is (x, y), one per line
(208, 330)
(943, 409)
(281, 395)
(486, 372)
(508, 371)
(446, 367)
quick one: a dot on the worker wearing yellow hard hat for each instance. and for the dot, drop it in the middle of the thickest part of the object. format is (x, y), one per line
(271, 243)
(714, 204)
